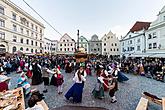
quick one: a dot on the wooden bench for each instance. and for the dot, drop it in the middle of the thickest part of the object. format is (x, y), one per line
(163, 103)
(143, 104)
(43, 104)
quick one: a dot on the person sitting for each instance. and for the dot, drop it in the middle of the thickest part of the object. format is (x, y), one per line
(22, 82)
(32, 103)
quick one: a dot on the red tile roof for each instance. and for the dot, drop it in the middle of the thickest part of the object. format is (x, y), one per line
(140, 26)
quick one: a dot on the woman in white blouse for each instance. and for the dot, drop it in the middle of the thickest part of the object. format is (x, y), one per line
(77, 89)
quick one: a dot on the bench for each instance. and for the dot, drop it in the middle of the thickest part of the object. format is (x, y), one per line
(43, 104)
(143, 104)
(163, 103)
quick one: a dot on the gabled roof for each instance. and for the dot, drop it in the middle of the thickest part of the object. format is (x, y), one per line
(67, 36)
(140, 26)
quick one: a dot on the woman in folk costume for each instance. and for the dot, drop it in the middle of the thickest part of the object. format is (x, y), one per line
(54, 76)
(104, 74)
(22, 82)
(82, 71)
(141, 69)
(37, 81)
(121, 76)
(45, 76)
(77, 89)
(98, 91)
(60, 81)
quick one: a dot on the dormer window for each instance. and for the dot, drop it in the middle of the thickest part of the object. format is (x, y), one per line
(129, 36)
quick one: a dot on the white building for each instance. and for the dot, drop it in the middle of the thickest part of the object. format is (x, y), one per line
(19, 30)
(156, 36)
(83, 43)
(110, 44)
(134, 43)
(50, 46)
(66, 45)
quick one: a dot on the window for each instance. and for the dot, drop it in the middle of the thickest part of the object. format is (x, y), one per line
(111, 36)
(2, 23)
(60, 44)
(14, 38)
(21, 30)
(41, 31)
(60, 49)
(14, 16)
(97, 44)
(27, 32)
(27, 23)
(129, 36)
(114, 50)
(36, 28)
(14, 49)
(31, 50)
(27, 49)
(21, 48)
(123, 44)
(112, 44)
(27, 41)
(32, 34)
(94, 49)
(72, 49)
(70, 44)
(63, 40)
(115, 44)
(108, 37)
(91, 49)
(111, 49)
(36, 51)
(149, 36)
(32, 26)
(154, 35)
(105, 39)
(104, 44)
(150, 46)
(21, 40)
(138, 40)
(2, 35)
(138, 48)
(14, 27)
(67, 40)
(68, 49)
(117, 49)
(64, 49)
(40, 44)
(130, 41)
(154, 45)
(1, 10)
(31, 42)
(98, 49)
(36, 43)
(64, 44)
(104, 49)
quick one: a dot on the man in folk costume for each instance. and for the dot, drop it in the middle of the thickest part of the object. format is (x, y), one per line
(45, 76)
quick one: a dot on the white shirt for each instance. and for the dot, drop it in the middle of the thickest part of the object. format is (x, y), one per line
(36, 107)
(100, 79)
(77, 80)
(85, 74)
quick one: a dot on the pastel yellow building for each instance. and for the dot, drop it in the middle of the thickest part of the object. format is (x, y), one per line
(19, 30)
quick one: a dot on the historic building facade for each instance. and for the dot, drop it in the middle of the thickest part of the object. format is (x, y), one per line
(95, 45)
(83, 43)
(110, 44)
(155, 36)
(66, 45)
(134, 43)
(19, 30)
(50, 46)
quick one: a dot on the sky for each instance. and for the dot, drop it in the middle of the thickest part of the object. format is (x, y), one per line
(91, 16)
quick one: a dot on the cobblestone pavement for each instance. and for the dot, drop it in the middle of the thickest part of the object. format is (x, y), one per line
(128, 94)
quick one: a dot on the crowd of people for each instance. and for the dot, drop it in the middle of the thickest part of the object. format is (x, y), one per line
(35, 72)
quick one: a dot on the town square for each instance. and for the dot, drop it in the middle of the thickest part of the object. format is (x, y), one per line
(82, 55)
